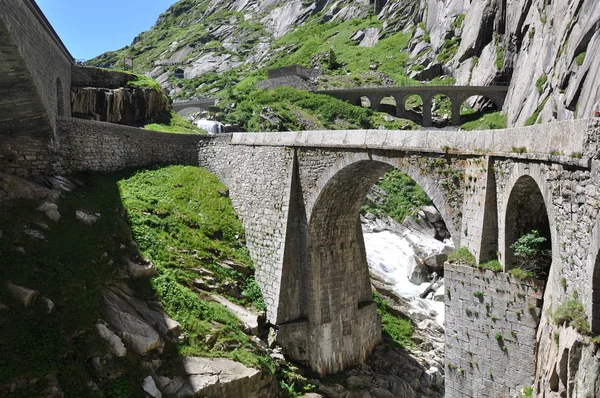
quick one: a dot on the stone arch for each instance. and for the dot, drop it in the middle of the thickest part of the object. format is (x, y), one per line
(60, 98)
(428, 183)
(403, 109)
(527, 200)
(479, 100)
(341, 312)
(593, 271)
(188, 111)
(440, 98)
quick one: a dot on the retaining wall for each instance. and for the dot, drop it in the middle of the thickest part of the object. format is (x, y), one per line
(98, 146)
(491, 326)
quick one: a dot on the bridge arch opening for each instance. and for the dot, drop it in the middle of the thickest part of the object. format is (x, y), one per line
(527, 218)
(365, 102)
(595, 318)
(60, 98)
(476, 107)
(413, 108)
(387, 105)
(441, 110)
(341, 310)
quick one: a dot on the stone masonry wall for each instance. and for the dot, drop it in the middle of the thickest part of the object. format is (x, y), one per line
(84, 76)
(97, 146)
(491, 325)
(45, 56)
(259, 182)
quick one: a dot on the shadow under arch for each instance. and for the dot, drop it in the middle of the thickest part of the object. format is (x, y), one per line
(525, 211)
(478, 104)
(339, 326)
(593, 272)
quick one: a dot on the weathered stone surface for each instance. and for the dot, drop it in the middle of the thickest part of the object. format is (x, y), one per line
(122, 105)
(86, 219)
(26, 296)
(138, 270)
(136, 323)
(150, 388)
(51, 210)
(115, 344)
(249, 320)
(214, 378)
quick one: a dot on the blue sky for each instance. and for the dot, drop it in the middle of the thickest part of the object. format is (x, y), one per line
(89, 28)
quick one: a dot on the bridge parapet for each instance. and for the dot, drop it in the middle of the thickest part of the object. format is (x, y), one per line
(569, 137)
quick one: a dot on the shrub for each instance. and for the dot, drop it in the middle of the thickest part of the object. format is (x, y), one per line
(531, 256)
(492, 265)
(462, 255)
(572, 312)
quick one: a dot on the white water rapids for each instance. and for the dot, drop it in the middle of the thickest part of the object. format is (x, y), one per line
(389, 255)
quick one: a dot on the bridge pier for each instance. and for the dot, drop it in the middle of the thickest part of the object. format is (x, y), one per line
(327, 318)
(456, 105)
(427, 116)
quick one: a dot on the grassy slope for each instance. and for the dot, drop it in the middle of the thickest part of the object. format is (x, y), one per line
(173, 123)
(404, 197)
(179, 220)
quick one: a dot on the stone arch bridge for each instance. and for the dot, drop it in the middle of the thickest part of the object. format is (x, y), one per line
(299, 195)
(457, 94)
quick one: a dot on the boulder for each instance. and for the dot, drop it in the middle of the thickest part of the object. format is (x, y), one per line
(138, 271)
(370, 37)
(115, 344)
(86, 219)
(417, 271)
(150, 388)
(51, 210)
(139, 337)
(24, 295)
(249, 320)
(431, 213)
(139, 324)
(213, 378)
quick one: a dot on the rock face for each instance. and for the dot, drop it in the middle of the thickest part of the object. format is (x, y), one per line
(139, 324)
(213, 378)
(121, 105)
(531, 43)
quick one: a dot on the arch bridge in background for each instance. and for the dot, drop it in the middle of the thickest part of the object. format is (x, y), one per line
(457, 94)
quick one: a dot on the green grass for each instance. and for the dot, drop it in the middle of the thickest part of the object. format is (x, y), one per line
(404, 197)
(489, 121)
(492, 265)
(144, 82)
(399, 330)
(521, 274)
(290, 105)
(541, 82)
(314, 38)
(179, 219)
(527, 392)
(462, 255)
(173, 123)
(580, 58)
(572, 312)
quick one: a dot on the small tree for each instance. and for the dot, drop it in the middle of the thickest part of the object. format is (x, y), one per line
(530, 254)
(332, 62)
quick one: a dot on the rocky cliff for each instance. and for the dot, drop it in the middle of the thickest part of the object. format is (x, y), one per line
(540, 47)
(114, 96)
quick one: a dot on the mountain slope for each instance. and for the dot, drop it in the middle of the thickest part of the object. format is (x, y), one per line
(545, 49)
